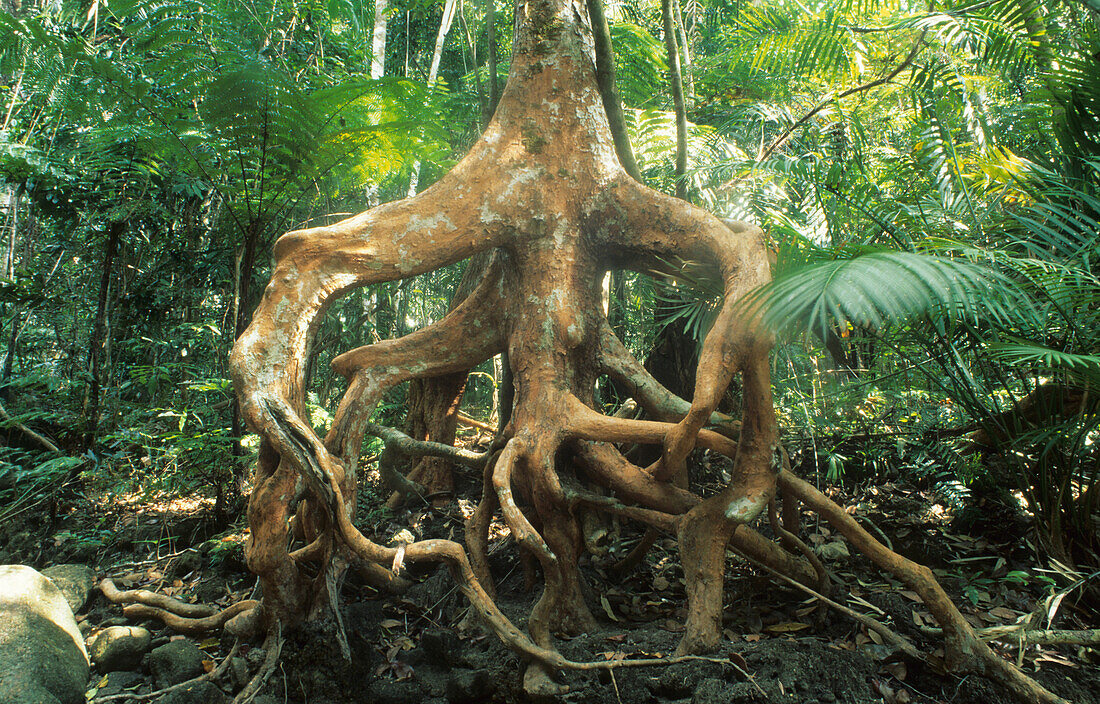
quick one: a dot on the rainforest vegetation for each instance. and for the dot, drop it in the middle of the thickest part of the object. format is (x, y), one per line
(576, 296)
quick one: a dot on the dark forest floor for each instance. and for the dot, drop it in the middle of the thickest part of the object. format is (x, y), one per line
(423, 645)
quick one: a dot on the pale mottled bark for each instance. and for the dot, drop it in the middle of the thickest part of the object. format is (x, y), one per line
(545, 188)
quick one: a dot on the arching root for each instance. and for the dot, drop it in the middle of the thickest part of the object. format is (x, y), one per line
(477, 527)
(178, 615)
(792, 542)
(154, 599)
(964, 650)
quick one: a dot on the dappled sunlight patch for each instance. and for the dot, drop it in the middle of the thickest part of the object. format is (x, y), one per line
(142, 502)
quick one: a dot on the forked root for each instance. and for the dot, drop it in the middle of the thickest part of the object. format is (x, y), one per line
(964, 650)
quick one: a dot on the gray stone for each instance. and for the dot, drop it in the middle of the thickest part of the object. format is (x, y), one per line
(76, 582)
(835, 550)
(204, 692)
(239, 673)
(119, 681)
(175, 662)
(119, 648)
(42, 656)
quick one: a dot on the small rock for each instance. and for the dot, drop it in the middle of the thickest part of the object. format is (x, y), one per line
(441, 645)
(199, 693)
(119, 648)
(178, 661)
(826, 697)
(76, 582)
(469, 686)
(239, 673)
(835, 550)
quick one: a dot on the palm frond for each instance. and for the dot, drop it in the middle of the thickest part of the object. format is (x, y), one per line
(1085, 367)
(873, 287)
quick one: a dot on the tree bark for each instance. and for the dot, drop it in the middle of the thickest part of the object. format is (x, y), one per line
(378, 40)
(100, 332)
(544, 187)
(676, 81)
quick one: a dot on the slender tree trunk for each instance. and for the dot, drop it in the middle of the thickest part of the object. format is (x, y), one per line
(241, 308)
(433, 73)
(685, 50)
(491, 30)
(100, 332)
(482, 99)
(378, 40)
(605, 78)
(675, 79)
(13, 229)
(9, 355)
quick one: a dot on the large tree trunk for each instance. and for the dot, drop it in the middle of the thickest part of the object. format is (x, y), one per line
(544, 187)
(433, 407)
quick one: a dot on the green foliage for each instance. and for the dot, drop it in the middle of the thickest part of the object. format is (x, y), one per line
(935, 235)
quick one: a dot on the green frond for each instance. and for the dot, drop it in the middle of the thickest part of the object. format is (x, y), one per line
(875, 287)
(1085, 367)
(640, 63)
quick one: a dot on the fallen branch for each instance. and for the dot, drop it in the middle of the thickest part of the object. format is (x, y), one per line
(1017, 633)
(467, 420)
(41, 440)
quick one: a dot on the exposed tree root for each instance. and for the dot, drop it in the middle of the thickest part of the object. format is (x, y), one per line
(154, 599)
(791, 541)
(190, 626)
(964, 650)
(273, 648)
(544, 190)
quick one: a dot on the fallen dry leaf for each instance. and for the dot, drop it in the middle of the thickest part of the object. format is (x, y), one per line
(786, 627)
